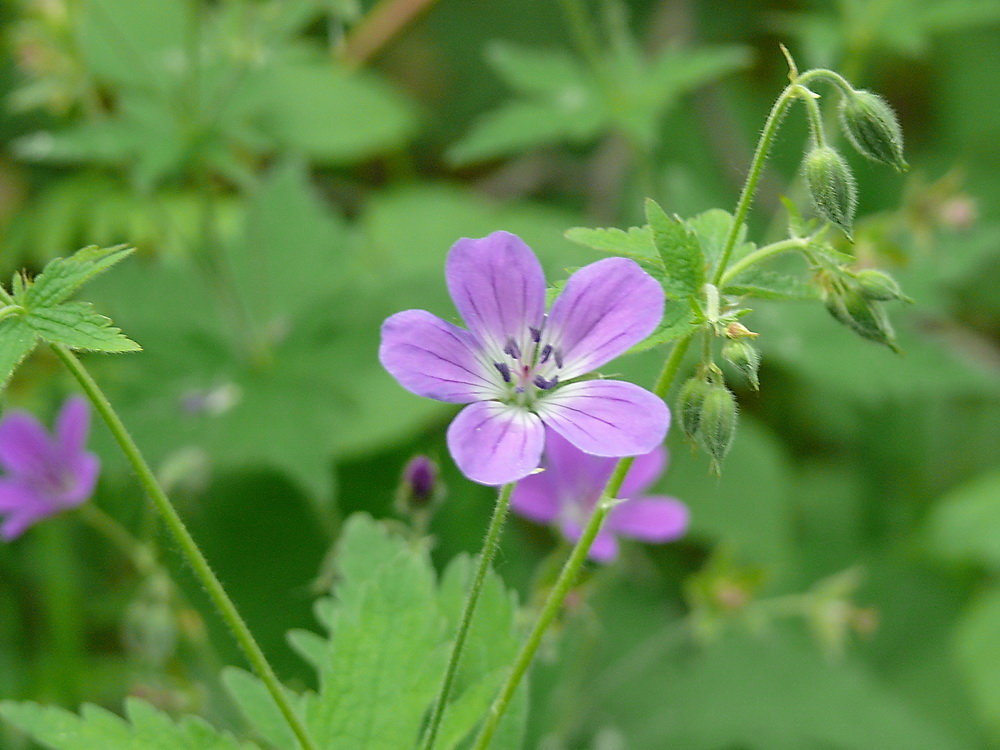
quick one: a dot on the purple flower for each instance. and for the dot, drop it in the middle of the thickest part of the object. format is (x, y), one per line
(44, 474)
(518, 368)
(567, 491)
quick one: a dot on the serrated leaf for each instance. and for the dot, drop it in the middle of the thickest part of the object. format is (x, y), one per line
(63, 276)
(635, 243)
(79, 326)
(679, 319)
(258, 707)
(712, 228)
(16, 342)
(770, 285)
(680, 251)
(96, 728)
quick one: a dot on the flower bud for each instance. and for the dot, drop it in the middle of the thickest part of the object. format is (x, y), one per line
(717, 425)
(864, 316)
(744, 358)
(872, 128)
(419, 488)
(689, 405)
(831, 186)
(878, 285)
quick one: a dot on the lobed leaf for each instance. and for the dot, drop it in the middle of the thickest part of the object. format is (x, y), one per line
(680, 251)
(63, 276)
(79, 326)
(16, 342)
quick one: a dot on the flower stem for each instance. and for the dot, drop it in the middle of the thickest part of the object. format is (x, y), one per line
(490, 545)
(759, 255)
(571, 569)
(187, 544)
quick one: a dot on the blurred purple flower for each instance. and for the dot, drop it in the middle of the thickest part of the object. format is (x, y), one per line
(565, 494)
(44, 474)
(515, 364)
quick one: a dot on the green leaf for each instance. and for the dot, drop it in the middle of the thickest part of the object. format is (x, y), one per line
(535, 71)
(333, 116)
(63, 276)
(635, 243)
(757, 282)
(679, 319)
(258, 707)
(79, 326)
(712, 228)
(978, 650)
(95, 728)
(683, 262)
(965, 524)
(16, 342)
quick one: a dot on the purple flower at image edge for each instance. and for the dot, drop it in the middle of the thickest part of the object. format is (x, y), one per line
(518, 368)
(44, 474)
(564, 495)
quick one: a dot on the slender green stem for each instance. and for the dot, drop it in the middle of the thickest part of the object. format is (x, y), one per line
(571, 569)
(490, 545)
(815, 116)
(771, 126)
(761, 254)
(187, 544)
(137, 552)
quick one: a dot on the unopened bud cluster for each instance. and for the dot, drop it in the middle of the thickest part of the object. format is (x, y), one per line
(707, 410)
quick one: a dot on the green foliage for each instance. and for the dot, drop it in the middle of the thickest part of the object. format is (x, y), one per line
(978, 653)
(680, 252)
(95, 728)
(562, 101)
(965, 525)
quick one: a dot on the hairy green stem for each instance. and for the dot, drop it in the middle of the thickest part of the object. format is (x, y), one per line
(571, 569)
(188, 546)
(489, 550)
(759, 255)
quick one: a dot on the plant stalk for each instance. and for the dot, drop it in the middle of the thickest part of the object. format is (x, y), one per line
(188, 546)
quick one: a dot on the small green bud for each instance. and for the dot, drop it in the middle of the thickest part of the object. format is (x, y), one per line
(744, 358)
(717, 425)
(831, 186)
(872, 128)
(878, 285)
(864, 316)
(689, 405)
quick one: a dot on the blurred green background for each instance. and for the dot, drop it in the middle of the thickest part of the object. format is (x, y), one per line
(290, 178)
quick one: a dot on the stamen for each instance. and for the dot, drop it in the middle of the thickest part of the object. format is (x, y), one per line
(559, 359)
(536, 334)
(546, 353)
(512, 349)
(544, 384)
(504, 371)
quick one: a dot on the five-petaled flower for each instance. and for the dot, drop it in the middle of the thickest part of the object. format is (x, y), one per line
(45, 474)
(564, 495)
(519, 369)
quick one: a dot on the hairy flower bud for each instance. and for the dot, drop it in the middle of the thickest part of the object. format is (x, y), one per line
(419, 488)
(872, 128)
(831, 186)
(878, 285)
(744, 358)
(717, 425)
(864, 316)
(689, 405)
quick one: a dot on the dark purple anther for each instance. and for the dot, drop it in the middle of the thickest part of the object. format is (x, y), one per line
(536, 334)
(504, 371)
(546, 353)
(559, 359)
(543, 384)
(512, 349)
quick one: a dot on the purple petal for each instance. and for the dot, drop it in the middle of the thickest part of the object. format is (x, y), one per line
(82, 475)
(538, 497)
(22, 506)
(606, 417)
(578, 475)
(604, 548)
(498, 287)
(433, 358)
(645, 470)
(651, 519)
(25, 447)
(72, 426)
(16, 496)
(494, 444)
(605, 309)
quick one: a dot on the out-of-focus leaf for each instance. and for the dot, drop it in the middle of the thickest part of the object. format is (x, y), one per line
(978, 651)
(965, 524)
(258, 707)
(96, 728)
